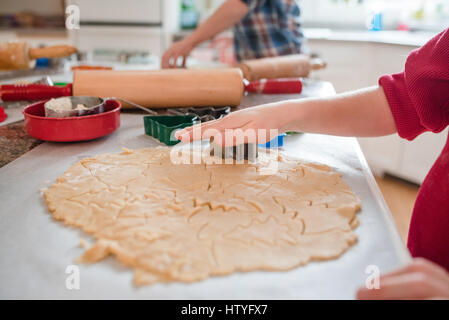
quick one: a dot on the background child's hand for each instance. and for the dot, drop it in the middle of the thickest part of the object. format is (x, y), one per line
(421, 279)
(177, 49)
(227, 15)
(268, 116)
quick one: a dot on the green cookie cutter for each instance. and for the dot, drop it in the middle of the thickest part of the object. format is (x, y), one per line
(163, 127)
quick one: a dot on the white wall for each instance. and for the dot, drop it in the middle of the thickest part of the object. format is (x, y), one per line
(352, 14)
(148, 11)
(153, 39)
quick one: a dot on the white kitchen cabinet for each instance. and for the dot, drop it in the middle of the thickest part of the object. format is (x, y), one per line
(383, 154)
(120, 38)
(134, 25)
(409, 160)
(118, 11)
(352, 65)
(357, 64)
(418, 156)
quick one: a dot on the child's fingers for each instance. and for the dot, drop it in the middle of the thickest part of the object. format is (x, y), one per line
(206, 129)
(246, 134)
(405, 286)
(174, 61)
(420, 279)
(194, 132)
(203, 125)
(165, 60)
(420, 265)
(227, 134)
(259, 135)
(185, 131)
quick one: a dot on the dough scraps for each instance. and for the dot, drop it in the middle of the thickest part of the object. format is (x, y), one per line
(186, 222)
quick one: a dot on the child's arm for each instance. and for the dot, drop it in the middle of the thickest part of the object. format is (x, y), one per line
(228, 14)
(359, 113)
(410, 103)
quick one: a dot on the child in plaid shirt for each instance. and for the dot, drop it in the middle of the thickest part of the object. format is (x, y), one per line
(262, 28)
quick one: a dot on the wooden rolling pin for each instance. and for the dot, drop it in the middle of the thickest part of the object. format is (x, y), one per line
(17, 55)
(289, 66)
(163, 88)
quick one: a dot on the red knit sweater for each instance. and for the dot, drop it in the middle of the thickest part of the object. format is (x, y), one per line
(419, 101)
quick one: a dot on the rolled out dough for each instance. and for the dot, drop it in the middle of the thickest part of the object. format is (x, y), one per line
(188, 222)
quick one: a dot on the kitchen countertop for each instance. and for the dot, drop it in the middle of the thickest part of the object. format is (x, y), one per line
(406, 38)
(14, 142)
(394, 37)
(36, 249)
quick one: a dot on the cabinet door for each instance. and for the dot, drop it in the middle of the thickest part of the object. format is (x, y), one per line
(346, 63)
(419, 155)
(383, 154)
(353, 65)
(387, 59)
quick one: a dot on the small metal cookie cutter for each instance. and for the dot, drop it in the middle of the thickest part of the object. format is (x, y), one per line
(245, 151)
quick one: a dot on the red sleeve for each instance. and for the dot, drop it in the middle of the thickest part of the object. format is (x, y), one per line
(419, 96)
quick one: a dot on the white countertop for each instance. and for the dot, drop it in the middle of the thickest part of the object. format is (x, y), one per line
(407, 38)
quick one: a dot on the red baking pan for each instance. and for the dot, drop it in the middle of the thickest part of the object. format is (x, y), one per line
(72, 128)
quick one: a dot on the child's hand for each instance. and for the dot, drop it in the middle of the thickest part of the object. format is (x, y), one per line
(361, 113)
(261, 117)
(421, 279)
(177, 49)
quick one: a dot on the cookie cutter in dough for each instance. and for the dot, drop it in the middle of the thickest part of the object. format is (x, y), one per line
(164, 127)
(245, 151)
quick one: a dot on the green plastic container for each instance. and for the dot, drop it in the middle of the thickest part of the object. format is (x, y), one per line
(162, 127)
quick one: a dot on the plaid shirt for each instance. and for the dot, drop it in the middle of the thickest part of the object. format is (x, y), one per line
(271, 28)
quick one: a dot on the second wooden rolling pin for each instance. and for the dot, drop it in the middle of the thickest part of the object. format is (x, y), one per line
(290, 66)
(18, 55)
(163, 88)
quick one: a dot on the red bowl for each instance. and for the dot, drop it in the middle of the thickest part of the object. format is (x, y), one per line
(73, 128)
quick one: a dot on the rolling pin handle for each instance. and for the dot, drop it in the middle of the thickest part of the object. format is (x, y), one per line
(317, 64)
(51, 52)
(275, 86)
(21, 92)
